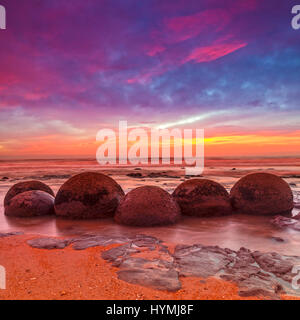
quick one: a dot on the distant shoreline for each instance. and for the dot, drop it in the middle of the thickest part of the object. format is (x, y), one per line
(206, 158)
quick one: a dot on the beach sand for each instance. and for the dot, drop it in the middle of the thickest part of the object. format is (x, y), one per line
(69, 274)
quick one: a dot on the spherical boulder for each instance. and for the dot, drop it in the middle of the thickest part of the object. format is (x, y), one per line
(147, 206)
(88, 195)
(26, 186)
(32, 203)
(262, 194)
(202, 198)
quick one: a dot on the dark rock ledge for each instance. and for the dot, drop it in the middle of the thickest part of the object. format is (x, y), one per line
(255, 273)
(286, 222)
(10, 234)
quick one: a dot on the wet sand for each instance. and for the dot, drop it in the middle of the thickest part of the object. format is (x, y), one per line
(68, 274)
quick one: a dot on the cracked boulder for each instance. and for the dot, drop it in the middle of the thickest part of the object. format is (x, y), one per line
(202, 197)
(30, 204)
(147, 206)
(262, 194)
(26, 186)
(88, 195)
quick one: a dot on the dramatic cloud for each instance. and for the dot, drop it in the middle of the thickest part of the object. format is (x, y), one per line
(68, 68)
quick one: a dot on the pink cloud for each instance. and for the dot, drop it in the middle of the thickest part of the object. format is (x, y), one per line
(216, 50)
(211, 26)
(146, 76)
(155, 50)
(213, 52)
(186, 27)
(34, 96)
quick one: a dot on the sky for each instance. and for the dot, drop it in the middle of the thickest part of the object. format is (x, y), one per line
(71, 68)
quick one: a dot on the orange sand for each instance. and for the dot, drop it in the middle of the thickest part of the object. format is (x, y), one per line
(69, 274)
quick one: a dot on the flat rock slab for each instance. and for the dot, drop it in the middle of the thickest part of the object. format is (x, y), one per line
(158, 274)
(161, 175)
(85, 242)
(200, 261)
(90, 240)
(255, 285)
(156, 279)
(146, 242)
(255, 273)
(277, 239)
(285, 222)
(117, 255)
(10, 234)
(48, 243)
(135, 175)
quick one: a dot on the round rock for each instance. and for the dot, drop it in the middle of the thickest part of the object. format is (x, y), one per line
(30, 204)
(147, 206)
(202, 197)
(26, 186)
(88, 195)
(262, 194)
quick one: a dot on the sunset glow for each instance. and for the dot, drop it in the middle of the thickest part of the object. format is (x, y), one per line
(69, 69)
